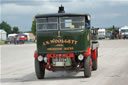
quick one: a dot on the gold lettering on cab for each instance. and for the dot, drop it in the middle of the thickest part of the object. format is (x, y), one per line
(59, 44)
(51, 49)
(68, 48)
(61, 41)
(59, 49)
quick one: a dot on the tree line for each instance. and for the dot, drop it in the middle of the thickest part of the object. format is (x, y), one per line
(6, 27)
(33, 28)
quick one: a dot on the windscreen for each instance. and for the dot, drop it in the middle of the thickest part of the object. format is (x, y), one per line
(47, 23)
(72, 22)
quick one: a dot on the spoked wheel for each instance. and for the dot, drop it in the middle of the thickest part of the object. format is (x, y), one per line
(39, 69)
(94, 62)
(87, 66)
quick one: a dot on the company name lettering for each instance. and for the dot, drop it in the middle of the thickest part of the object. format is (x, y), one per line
(59, 42)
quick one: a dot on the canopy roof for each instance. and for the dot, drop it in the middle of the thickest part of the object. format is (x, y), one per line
(60, 15)
(21, 34)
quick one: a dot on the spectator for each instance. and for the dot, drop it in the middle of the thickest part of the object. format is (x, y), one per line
(15, 40)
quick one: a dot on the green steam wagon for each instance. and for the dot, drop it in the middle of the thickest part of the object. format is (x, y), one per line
(64, 43)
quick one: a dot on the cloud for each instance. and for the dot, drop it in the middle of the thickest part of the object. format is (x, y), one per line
(34, 2)
(108, 16)
(102, 11)
(13, 9)
(0, 13)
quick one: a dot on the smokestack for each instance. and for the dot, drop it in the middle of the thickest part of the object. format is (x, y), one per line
(61, 9)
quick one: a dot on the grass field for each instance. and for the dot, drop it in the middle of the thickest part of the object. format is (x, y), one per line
(2, 42)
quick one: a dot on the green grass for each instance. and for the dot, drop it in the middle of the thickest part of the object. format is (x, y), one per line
(2, 42)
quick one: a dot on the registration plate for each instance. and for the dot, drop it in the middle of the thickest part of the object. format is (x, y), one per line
(61, 61)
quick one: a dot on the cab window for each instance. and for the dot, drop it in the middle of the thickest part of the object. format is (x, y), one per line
(72, 22)
(47, 23)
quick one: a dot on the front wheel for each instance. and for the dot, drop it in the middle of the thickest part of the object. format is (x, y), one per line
(87, 66)
(39, 69)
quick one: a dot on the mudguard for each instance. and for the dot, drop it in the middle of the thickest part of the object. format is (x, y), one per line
(35, 54)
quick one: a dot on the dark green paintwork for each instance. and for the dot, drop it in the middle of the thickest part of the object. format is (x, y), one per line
(78, 35)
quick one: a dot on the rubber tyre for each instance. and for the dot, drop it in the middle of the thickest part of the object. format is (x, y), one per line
(87, 67)
(39, 69)
(94, 62)
(94, 66)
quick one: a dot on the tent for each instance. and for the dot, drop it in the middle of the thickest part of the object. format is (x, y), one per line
(3, 35)
(11, 37)
(21, 34)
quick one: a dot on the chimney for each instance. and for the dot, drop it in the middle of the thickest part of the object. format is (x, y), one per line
(61, 9)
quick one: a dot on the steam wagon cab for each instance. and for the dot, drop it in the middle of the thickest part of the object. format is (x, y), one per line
(64, 43)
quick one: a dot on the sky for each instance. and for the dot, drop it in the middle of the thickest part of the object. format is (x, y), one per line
(104, 13)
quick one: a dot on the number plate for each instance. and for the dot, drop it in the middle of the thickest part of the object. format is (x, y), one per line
(61, 62)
